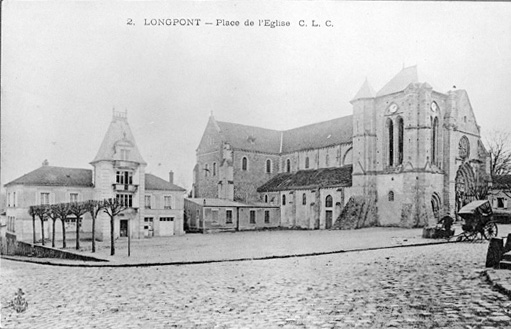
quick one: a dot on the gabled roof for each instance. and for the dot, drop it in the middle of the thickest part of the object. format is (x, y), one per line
(365, 91)
(400, 81)
(118, 133)
(318, 135)
(250, 138)
(55, 176)
(153, 182)
(309, 179)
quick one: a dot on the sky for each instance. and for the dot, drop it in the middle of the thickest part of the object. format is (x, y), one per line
(66, 65)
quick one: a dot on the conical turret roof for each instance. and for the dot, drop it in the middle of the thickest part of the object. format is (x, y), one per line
(366, 91)
(118, 136)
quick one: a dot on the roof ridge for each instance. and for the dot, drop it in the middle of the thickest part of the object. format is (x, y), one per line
(244, 125)
(320, 122)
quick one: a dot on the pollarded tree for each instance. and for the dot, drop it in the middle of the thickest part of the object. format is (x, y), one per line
(62, 211)
(42, 213)
(113, 207)
(32, 211)
(94, 207)
(78, 209)
(51, 213)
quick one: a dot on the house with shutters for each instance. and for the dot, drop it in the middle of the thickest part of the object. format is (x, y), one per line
(408, 155)
(155, 205)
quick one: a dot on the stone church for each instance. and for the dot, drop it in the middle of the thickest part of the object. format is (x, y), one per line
(408, 155)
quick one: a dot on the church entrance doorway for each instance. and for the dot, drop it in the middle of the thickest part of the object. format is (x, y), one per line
(464, 187)
(328, 219)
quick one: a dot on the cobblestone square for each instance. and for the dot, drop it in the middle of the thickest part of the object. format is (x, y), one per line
(436, 286)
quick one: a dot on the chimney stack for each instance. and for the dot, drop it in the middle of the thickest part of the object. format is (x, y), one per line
(46, 163)
(171, 177)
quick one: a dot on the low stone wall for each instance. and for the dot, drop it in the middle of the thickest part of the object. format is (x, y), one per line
(20, 248)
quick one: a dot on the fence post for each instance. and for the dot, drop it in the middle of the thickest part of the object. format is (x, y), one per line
(507, 246)
(495, 252)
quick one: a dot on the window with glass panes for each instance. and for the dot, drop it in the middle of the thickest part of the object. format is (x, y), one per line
(124, 177)
(167, 202)
(45, 198)
(126, 199)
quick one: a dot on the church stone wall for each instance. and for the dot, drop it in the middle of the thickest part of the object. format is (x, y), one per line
(207, 184)
(247, 181)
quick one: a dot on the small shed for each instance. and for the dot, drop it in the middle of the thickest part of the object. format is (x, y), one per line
(209, 215)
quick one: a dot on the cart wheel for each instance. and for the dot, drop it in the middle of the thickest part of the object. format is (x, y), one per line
(490, 230)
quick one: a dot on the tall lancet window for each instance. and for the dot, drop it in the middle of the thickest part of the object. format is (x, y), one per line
(400, 140)
(434, 141)
(390, 139)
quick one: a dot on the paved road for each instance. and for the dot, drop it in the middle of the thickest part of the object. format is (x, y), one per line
(428, 287)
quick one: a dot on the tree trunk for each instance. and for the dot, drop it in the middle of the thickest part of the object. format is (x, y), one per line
(53, 233)
(93, 233)
(63, 220)
(33, 228)
(77, 232)
(112, 244)
(42, 231)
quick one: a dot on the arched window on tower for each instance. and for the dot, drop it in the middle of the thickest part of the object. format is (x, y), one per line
(214, 168)
(268, 166)
(288, 165)
(400, 140)
(434, 141)
(391, 196)
(307, 163)
(304, 199)
(283, 199)
(244, 164)
(390, 139)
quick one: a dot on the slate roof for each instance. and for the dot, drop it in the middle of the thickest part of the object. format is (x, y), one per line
(76, 177)
(308, 179)
(118, 132)
(250, 138)
(153, 182)
(501, 182)
(56, 176)
(400, 81)
(318, 135)
(211, 202)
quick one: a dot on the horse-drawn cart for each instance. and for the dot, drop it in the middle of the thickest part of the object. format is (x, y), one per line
(479, 224)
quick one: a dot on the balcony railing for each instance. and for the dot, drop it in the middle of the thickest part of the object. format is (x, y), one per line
(125, 187)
